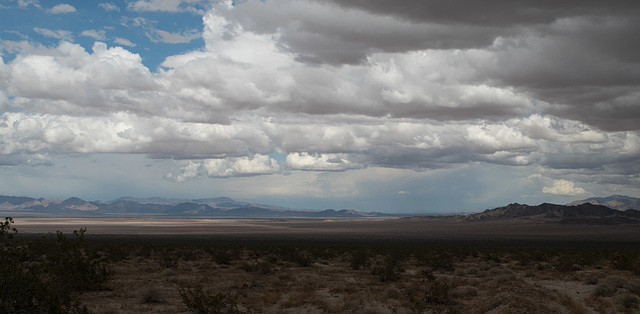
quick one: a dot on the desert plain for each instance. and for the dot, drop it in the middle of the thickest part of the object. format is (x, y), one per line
(399, 265)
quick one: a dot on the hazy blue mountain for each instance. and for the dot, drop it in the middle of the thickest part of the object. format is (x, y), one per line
(15, 200)
(205, 207)
(621, 202)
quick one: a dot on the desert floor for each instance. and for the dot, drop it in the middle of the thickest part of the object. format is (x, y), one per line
(168, 265)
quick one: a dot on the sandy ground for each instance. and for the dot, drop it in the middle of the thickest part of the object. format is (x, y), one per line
(142, 283)
(393, 228)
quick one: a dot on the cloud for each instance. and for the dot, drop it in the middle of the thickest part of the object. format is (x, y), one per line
(62, 8)
(154, 5)
(227, 167)
(175, 38)
(351, 89)
(57, 34)
(496, 13)
(197, 7)
(552, 53)
(320, 162)
(95, 34)
(563, 187)
(108, 6)
(124, 42)
(27, 3)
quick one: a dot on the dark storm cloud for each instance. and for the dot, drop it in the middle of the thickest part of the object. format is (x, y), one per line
(318, 33)
(491, 12)
(578, 59)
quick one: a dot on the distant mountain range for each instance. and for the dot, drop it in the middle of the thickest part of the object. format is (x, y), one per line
(584, 213)
(610, 210)
(207, 207)
(621, 202)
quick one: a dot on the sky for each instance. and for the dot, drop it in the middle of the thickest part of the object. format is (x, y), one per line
(393, 106)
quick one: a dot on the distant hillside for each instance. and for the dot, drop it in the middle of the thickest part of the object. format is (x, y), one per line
(585, 213)
(207, 207)
(621, 202)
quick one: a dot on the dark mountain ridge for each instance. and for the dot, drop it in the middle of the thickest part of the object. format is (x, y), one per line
(585, 213)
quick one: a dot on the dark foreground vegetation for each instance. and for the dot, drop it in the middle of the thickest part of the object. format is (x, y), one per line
(84, 273)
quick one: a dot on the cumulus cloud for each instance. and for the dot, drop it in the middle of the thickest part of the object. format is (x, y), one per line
(227, 167)
(62, 8)
(563, 187)
(95, 34)
(320, 162)
(341, 87)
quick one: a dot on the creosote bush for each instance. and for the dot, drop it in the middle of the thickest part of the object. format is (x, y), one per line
(42, 276)
(202, 301)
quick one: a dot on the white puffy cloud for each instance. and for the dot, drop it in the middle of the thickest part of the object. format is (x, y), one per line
(62, 8)
(320, 162)
(226, 167)
(563, 187)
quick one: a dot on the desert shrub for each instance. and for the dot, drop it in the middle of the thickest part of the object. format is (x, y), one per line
(263, 266)
(152, 296)
(626, 261)
(604, 289)
(464, 291)
(572, 305)
(6, 229)
(436, 297)
(201, 301)
(504, 277)
(360, 259)
(169, 260)
(591, 280)
(222, 257)
(37, 283)
(300, 257)
(73, 266)
(427, 272)
(436, 259)
(629, 301)
(438, 293)
(529, 273)
(616, 281)
(566, 264)
(387, 267)
(392, 293)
